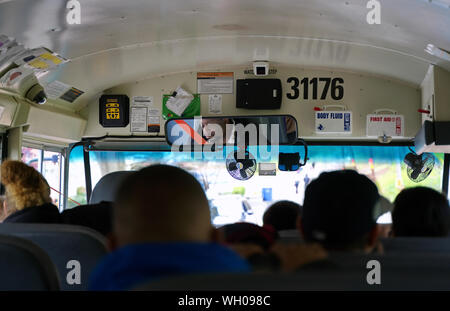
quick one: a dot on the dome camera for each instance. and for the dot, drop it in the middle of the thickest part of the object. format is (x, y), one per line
(36, 94)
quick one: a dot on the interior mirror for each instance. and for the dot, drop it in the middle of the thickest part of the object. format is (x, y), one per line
(232, 130)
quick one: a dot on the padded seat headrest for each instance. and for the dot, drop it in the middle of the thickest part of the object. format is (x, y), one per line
(107, 186)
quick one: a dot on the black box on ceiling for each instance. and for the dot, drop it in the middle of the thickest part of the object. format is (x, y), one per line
(258, 93)
(114, 110)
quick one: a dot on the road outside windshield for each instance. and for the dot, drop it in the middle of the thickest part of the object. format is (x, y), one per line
(232, 200)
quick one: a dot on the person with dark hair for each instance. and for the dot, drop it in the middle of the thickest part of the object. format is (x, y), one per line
(282, 215)
(253, 243)
(161, 228)
(420, 212)
(247, 233)
(260, 247)
(339, 212)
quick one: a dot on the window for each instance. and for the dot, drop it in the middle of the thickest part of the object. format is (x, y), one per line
(52, 170)
(76, 192)
(51, 165)
(448, 173)
(32, 157)
(383, 164)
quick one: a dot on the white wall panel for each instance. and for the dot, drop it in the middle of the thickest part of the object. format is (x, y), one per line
(363, 95)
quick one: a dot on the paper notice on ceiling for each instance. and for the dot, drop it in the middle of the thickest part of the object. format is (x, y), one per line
(6, 44)
(138, 119)
(71, 95)
(215, 82)
(59, 90)
(56, 89)
(215, 103)
(40, 59)
(8, 53)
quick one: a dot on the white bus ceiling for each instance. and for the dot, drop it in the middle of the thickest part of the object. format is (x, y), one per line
(119, 43)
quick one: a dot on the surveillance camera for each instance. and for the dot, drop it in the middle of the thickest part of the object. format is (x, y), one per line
(261, 68)
(36, 94)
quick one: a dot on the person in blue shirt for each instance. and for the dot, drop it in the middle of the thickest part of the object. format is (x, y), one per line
(162, 228)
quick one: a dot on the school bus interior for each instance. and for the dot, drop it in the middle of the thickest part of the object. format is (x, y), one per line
(92, 92)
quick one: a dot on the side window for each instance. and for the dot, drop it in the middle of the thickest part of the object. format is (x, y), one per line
(448, 189)
(52, 170)
(32, 157)
(51, 165)
(77, 183)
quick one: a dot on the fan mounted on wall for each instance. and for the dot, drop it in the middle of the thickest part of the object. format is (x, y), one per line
(419, 167)
(241, 165)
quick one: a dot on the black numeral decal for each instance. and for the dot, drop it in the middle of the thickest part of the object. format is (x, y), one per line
(294, 88)
(336, 85)
(337, 91)
(325, 88)
(305, 88)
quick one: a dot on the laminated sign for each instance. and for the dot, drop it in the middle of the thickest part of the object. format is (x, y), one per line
(333, 122)
(385, 125)
(215, 82)
(114, 110)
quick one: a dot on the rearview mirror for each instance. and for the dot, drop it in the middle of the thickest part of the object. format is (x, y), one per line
(232, 130)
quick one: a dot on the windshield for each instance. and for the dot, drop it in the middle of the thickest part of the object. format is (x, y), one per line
(233, 200)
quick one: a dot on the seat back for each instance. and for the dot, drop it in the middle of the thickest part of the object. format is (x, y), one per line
(416, 245)
(24, 266)
(63, 244)
(106, 187)
(351, 273)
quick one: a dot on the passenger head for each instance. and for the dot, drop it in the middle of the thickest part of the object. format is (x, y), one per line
(338, 211)
(282, 215)
(25, 187)
(247, 233)
(161, 203)
(420, 212)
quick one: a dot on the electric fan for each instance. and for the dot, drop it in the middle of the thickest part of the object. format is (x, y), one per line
(419, 166)
(241, 165)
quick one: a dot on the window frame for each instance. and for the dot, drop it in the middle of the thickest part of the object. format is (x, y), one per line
(89, 145)
(4, 155)
(62, 165)
(446, 174)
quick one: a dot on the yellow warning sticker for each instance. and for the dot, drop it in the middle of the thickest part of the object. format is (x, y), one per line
(38, 64)
(54, 59)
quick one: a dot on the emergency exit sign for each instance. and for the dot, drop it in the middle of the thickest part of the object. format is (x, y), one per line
(392, 125)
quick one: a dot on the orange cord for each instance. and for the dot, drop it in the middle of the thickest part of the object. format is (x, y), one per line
(67, 197)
